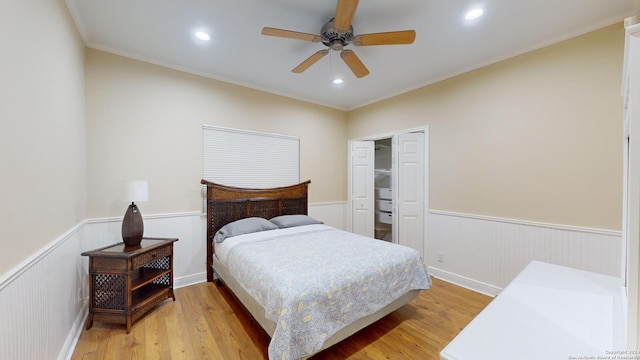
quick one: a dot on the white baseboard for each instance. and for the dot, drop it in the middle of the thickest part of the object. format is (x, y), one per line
(74, 335)
(187, 280)
(465, 282)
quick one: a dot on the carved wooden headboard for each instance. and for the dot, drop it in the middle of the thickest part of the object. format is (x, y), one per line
(226, 204)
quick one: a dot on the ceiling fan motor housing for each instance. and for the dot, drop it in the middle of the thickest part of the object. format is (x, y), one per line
(333, 38)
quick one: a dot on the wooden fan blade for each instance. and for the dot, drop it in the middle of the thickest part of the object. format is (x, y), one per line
(353, 62)
(310, 61)
(290, 34)
(344, 15)
(385, 38)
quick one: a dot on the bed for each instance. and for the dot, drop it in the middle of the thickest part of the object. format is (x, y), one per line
(307, 284)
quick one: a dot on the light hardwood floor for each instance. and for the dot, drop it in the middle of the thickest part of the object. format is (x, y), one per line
(206, 322)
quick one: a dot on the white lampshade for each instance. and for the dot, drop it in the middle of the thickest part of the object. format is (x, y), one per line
(135, 190)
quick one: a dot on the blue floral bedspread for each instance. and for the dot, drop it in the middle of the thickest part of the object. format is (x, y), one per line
(314, 283)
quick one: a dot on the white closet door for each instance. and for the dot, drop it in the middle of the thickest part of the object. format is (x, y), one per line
(362, 188)
(631, 228)
(410, 191)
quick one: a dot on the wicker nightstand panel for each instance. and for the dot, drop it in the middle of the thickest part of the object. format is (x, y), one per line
(163, 280)
(150, 256)
(162, 263)
(109, 291)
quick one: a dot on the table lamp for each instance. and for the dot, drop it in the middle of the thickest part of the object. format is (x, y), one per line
(132, 226)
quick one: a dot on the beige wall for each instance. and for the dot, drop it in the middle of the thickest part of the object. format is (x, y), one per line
(537, 137)
(145, 122)
(42, 141)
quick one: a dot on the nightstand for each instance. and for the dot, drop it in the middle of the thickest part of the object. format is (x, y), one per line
(125, 284)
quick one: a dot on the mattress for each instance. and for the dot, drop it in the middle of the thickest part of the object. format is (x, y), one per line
(306, 284)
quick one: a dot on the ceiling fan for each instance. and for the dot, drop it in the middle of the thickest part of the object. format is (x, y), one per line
(338, 33)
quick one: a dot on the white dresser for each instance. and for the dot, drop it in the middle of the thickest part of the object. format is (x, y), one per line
(547, 312)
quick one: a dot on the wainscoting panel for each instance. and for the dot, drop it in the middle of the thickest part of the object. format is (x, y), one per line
(331, 213)
(42, 301)
(189, 251)
(486, 253)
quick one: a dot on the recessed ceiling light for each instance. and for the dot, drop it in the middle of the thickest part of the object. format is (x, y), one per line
(337, 81)
(474, 14)
(202, 35)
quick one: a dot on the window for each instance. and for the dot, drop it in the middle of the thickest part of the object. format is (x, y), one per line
(245, 158)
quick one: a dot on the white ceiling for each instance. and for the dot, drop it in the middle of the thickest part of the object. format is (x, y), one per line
(161, 32)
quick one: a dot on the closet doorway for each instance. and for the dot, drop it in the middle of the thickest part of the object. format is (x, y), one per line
(388, 187)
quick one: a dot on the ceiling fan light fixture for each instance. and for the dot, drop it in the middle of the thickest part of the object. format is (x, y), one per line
(202, 35)
(474, 14)
(337, 34)
(336, 45)
(337, 81)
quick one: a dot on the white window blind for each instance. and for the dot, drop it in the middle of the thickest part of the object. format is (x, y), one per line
(249, 158)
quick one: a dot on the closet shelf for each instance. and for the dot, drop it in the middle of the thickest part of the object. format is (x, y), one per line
(383, 194)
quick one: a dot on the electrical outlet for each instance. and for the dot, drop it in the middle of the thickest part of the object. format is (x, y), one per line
(440, 256)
